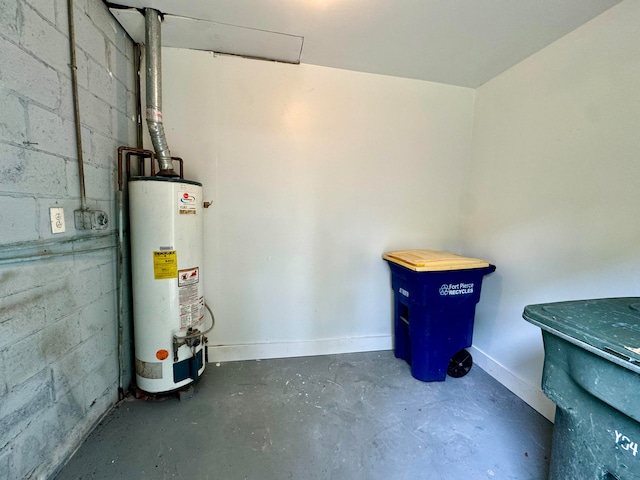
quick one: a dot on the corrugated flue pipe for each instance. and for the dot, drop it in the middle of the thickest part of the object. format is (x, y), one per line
(154, 92)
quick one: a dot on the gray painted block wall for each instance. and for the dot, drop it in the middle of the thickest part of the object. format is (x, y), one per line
(59, 369)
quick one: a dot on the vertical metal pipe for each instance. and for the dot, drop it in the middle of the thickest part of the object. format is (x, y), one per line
(120, 292)
(137, 49)
(120, 272)
(154, 92)
(76, 105)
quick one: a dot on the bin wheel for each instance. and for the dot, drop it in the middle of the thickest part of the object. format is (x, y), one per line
(460, 364)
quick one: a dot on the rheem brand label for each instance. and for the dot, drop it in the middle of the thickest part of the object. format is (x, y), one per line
(186, 203)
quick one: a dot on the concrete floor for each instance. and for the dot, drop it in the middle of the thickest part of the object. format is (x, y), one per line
(342, 417)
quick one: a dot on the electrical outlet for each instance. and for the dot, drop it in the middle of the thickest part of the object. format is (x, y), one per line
(56, 214)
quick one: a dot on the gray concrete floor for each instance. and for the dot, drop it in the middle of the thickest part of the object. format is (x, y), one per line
(342, 417)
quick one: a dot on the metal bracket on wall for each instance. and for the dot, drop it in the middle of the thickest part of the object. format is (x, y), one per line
(91, 219)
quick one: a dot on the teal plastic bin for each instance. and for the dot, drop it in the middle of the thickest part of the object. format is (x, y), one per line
(592, 373)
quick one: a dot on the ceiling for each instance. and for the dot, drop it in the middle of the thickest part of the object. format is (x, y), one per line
(458, 42)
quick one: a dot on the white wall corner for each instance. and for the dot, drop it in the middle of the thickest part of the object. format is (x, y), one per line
(530, 394)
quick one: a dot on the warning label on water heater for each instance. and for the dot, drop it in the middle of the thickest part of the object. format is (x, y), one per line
(187, 203)
(191, 312)
(188, 277)
(191, 303)
(165, 264)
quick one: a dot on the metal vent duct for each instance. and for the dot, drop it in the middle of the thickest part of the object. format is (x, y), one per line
(154, 92)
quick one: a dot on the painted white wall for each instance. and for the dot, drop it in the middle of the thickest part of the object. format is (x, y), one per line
(553, 198)
(314, 173)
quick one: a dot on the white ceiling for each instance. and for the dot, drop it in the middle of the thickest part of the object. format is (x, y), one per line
(458, 42)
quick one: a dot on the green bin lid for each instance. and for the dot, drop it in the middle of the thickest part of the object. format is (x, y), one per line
(608, 327)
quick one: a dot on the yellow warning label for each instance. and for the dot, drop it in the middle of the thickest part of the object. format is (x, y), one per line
(165, 264)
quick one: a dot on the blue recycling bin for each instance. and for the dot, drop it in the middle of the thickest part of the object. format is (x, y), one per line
(435, 296)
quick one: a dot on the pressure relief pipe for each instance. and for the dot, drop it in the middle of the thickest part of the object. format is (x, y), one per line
(154, 92)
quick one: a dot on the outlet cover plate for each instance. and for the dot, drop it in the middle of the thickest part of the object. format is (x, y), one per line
(56, 214)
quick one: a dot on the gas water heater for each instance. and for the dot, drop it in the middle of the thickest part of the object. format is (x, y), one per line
(167, 281)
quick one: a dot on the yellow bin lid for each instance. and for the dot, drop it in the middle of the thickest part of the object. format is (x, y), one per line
(433, 260)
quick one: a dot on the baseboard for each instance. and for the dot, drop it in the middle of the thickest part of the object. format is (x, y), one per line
(258, 351)
(533, 396)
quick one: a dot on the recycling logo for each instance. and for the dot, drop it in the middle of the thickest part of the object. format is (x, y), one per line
(448, 289)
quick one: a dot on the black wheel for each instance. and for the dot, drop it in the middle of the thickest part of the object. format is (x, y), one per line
(460, 364)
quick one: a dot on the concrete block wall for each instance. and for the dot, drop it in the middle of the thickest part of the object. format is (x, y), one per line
(59, 371)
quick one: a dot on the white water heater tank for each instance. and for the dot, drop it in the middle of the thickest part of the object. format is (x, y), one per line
(167, 281)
